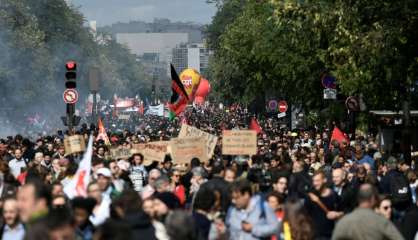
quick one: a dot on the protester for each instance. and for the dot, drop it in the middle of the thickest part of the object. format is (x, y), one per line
(250, 217)
(363, 222)
(12, 229)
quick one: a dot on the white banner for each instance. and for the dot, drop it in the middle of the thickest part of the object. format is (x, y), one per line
(156, 110)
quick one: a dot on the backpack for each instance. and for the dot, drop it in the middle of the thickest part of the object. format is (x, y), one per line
(399, 189)
(263, 213)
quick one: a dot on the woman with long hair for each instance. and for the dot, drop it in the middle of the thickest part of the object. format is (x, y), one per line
(296, 223)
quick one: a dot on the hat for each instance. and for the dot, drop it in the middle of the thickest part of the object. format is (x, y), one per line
(168, 198)
(104, 172)
(293, 134)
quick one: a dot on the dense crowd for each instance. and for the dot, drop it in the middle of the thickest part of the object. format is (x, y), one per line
(300, 185)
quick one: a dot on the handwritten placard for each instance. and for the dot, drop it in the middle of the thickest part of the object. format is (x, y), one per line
(242, 142)
(153, 151)
(184, 149)
(210, 140)
(74, 144)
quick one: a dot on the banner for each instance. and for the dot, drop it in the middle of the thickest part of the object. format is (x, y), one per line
(124, 116)
(242, 142)
(184, 149)
(74, 144)
(211, 140)
(120, 153)
(153, 151)
(156, 110)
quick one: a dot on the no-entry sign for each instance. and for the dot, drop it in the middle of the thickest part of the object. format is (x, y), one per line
(70, 96)
(283, 106)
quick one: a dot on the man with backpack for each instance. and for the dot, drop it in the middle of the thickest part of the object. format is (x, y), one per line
(250, 218)
(396, 185)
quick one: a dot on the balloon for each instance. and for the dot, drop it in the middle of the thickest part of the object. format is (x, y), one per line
(199, 100)
(204, 88)
(191, 80)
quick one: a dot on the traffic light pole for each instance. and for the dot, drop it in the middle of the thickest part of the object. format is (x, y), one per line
(70, 117)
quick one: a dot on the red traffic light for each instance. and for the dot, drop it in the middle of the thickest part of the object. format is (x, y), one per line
(71, 66)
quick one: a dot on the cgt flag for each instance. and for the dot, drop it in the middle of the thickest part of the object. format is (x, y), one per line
(77, 187)
(179, 99)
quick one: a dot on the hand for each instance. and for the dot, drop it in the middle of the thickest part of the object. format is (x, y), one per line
(220, 226)
(313, 197)
(333, 215)
(247, 227)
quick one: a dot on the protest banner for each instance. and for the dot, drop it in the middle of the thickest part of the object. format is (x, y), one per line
(242, 142)
(120, 153)
(153, 151)
(184, 149)
(124, 116)
(74, 144)
(211, 140)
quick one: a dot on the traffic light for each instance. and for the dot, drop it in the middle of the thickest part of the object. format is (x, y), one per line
(71, 74)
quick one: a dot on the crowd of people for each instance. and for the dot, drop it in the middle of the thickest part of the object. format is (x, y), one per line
(300, 185)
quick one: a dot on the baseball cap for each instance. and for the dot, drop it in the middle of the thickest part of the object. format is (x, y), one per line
(104, 172)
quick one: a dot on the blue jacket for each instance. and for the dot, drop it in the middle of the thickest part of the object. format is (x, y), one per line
(264, 225)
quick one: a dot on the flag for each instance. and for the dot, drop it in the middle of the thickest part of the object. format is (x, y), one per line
(255, 126)
(179, 99)
(339, 136)
(102, 133)
(77, 187)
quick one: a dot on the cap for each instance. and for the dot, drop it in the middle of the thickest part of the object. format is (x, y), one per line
(104, 172)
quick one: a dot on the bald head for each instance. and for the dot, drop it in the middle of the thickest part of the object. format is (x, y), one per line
(338, 177)
(367, 196)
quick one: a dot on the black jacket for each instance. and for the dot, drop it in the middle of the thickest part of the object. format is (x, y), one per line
(409, 224)
(141, 225)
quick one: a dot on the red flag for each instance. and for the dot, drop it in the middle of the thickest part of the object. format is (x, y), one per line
(339, 136)
(255, 126)
(102, 133)
(179, 98)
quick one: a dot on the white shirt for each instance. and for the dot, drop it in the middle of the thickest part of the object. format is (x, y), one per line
(17, 233)
(102, 213)
(16, 166)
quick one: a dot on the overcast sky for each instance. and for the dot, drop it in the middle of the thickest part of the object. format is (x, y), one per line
(106, 12)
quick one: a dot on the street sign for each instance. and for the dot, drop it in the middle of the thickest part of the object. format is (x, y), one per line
(273, 105)
(352, 104)
(330, 93)
(70, 96)
(281, 115)
(329, 82)
(283, 106)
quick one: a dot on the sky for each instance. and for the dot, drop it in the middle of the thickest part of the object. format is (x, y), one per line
(106, 12)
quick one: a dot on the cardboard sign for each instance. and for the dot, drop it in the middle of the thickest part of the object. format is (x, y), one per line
(120, 153)
(184, 149)
(211, 140)
(74, 144)
(242, 142)
(153, 151)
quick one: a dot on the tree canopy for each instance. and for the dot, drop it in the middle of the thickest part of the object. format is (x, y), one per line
(282, 47)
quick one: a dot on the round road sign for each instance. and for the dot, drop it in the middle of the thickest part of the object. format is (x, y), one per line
(70, 96)
(283, 106)
(273, 105)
